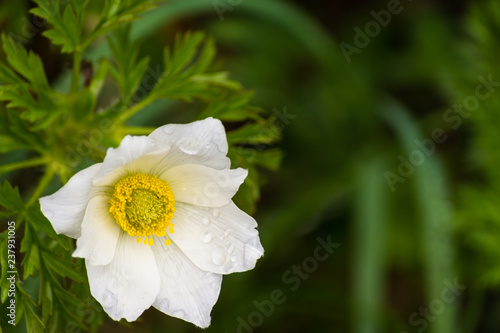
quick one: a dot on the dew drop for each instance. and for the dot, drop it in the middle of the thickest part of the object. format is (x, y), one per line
(227, 233)
(179, 313)
(189, 146)
(164, 305)
(205, 221)
(208, 237)
(234, 258)
(218, 257)
(108, 299)
(230, 249)
(216, 212)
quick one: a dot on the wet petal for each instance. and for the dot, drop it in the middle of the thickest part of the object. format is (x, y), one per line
(219, 240)
(199, 185)
(66, 207)
(186, 291)
(100, 233)
(129, 284)
(200, 142)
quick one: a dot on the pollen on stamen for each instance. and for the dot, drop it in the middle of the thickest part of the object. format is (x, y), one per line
(150, 241)
(139, 239)
(145, 241)
(171, 230)
(168, 242)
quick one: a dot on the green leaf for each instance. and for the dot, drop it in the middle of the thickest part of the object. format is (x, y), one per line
(128, 70)
(10, 198)
(4, 283)
(117, 13)
(16, 128)
(28, 64)
(41, 111)
(66, 28)
(25, 308)
(255, 133)
(81, 103)
(61, 267)
(8, 144)
(269, 159)
(186, 65)
(99, 77)
(7, 75)
(232, 106)
(38, 220)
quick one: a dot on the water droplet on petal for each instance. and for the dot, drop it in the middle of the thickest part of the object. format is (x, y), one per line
(218, 256)
(208, 237)
(234, 258)
(216, 212)
(231, 247)
(164, 305)
(108, 299)
(179, 313)
(227, 233)
(189, 146)
(205, 221)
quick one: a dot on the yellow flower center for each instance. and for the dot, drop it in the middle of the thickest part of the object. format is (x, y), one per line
(143, 205)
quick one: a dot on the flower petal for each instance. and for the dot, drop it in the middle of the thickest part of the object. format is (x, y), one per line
(200, 142)
(150, 163)
(186, 291)
(219, 240)
(100, 233)
(202, 186)
(66, 207)
(129, 284)
(131, 148)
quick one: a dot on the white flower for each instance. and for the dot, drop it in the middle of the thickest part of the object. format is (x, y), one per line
(156, 224)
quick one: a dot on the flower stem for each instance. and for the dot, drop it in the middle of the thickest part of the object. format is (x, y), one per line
(44, 182)
(75, 78)
(134, 109)
(137, 130)
(23, 164)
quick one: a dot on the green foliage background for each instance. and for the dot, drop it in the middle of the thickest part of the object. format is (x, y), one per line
(323, 138)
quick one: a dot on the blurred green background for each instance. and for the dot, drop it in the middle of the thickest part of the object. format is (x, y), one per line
(390, 117)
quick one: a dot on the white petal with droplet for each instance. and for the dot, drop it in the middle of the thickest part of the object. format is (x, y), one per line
(242, 240)
(191, 293)
(129, 284)
(202, 186)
